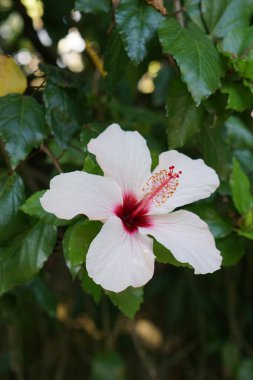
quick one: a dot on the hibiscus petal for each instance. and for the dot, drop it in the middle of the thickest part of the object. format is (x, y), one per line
(78, 192)
(117, 259)
(123, 156)
(197, 180)
(188, 238)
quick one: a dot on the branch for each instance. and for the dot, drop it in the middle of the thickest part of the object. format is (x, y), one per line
(178, 12)
(52, 158)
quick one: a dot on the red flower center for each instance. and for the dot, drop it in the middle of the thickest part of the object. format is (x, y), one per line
(130, 218)
(158, 188)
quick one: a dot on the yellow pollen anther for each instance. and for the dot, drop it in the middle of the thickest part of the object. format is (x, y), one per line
(162, 185)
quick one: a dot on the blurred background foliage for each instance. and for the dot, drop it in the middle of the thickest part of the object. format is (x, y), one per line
(179, 72)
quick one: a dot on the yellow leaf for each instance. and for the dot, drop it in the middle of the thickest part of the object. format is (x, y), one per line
(12, 79)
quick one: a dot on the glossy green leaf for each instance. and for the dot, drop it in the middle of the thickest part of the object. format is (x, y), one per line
(196, 56)
(137, 23)
(32, 207)
(128, 301)
(163, 255)
(77, 242)
(239, 97)
(12, 195)
(91, 166)
(184, 118)
(192, 7)
(115, 60)
(238, 46)
(215, 150)
(60, 113)
(223, 16)
(22, 126)
(231, 249)
(94, 6)
(219, 17)
(238, 135)
(218, 226)
(90, 287)
(25, 255)
(241, 189)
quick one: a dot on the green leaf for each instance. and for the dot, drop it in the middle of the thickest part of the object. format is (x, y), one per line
(107, 366)
(61, 113)
(115, 60)
(238, 135)
(137, 23)
(230, 356)
(196, 56)
(12, 195)
(91, 166)
(92, 6)
(238, 46)
(246, 234)
(217, 111)
(128, 301)
(215, 150)
(44, 296)
(32, 207)
(61, 77)
(241, 189)
(223, 16)
(25, 255)
(184, 118)
(192, 8)
(239, 97)
(245, 370)
(219, 17)
(231, 249)
(77, 242)
(164, 256)
(219, 227)
(90, 287)
(22, 126)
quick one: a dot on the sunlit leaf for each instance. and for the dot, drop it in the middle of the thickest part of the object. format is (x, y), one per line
(241, 189)
(12, 79)
(32, 207)
(128, 301)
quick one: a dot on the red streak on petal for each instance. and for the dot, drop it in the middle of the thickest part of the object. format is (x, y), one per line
(131, 219)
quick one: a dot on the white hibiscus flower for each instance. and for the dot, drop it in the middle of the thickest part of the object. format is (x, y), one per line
(133, 203)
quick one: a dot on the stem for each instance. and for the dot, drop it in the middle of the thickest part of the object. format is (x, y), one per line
(6, 157)
(98, 62)
(178, 12)
(52, 157)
